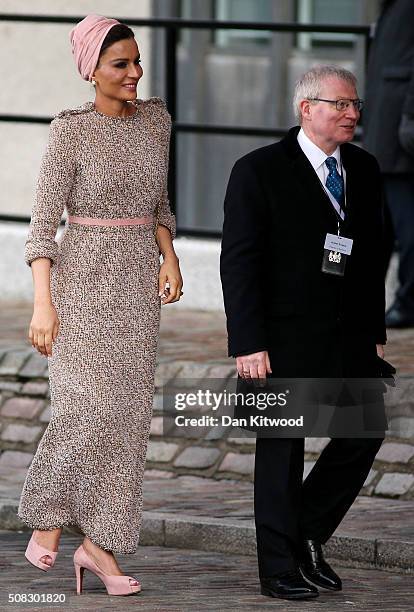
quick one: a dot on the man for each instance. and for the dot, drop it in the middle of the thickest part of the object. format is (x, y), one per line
(389, 135)
(289, 318)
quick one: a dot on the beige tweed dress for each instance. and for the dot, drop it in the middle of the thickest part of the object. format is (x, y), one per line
(89, 465)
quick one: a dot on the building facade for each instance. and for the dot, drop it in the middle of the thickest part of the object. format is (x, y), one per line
(225, 77)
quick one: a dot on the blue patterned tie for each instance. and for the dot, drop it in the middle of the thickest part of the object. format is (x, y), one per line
(335, 182)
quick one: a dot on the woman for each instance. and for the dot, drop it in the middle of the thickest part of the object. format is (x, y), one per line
(97, 296)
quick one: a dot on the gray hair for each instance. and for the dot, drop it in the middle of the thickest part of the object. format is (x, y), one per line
(310, 84)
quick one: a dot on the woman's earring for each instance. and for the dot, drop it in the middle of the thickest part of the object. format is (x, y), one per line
(93, 82)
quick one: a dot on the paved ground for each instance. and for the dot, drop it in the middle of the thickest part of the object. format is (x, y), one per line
(195, 336)
(194, 512)
(229, 499)
(186, 580)
(180, 580)
(187, 335)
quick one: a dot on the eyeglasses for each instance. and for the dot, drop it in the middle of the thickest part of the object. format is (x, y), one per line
(342, 105)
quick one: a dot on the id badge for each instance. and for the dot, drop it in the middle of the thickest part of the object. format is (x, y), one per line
(333, 262)
(336, 250)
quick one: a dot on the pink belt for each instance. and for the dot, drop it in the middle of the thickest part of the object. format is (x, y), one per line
(112, 222)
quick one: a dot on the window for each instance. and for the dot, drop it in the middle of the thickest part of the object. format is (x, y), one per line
(242, 10)
(326, 11)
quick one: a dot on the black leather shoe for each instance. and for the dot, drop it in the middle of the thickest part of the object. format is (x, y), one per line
(315, 569)
(398, 317)
(289, 585)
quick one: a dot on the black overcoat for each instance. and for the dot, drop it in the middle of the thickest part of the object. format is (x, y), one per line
(276, 216)
(389, 89)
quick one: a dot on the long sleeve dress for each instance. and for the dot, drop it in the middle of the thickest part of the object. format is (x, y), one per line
(88, 467)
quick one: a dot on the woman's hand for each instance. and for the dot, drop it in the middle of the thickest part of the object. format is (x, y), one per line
(170, 281)
(44, 328)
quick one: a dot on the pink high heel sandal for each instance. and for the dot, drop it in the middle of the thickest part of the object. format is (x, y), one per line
(115, 585)
(34, 552)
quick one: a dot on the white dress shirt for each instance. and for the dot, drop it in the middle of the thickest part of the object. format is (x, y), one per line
(317, 157)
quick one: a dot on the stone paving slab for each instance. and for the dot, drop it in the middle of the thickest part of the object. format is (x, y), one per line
(377, 532)
(233, 500)
(186, 511)
(217, 515)
(192, 335)
(233, 536)
(186, 581)
(214, 454)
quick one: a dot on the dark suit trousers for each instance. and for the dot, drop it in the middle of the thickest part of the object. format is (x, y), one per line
(287, 510)
(399, 191)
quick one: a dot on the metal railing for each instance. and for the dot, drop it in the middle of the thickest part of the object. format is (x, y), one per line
(172, 28)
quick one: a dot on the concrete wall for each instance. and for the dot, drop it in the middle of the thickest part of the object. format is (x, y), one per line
(215, 86)
(39, 77)
(199, 260)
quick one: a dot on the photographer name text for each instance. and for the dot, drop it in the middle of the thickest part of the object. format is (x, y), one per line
(226, 421)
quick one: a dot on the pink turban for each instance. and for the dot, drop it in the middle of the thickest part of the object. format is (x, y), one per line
(86, 39)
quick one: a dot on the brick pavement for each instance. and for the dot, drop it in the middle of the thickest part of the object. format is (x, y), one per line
(194, 336)
(212, 452)
(375, 531)
(193, 512)
(187, 581)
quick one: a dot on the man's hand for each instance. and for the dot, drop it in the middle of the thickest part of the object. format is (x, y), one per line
(256, 365)
(380, 351)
